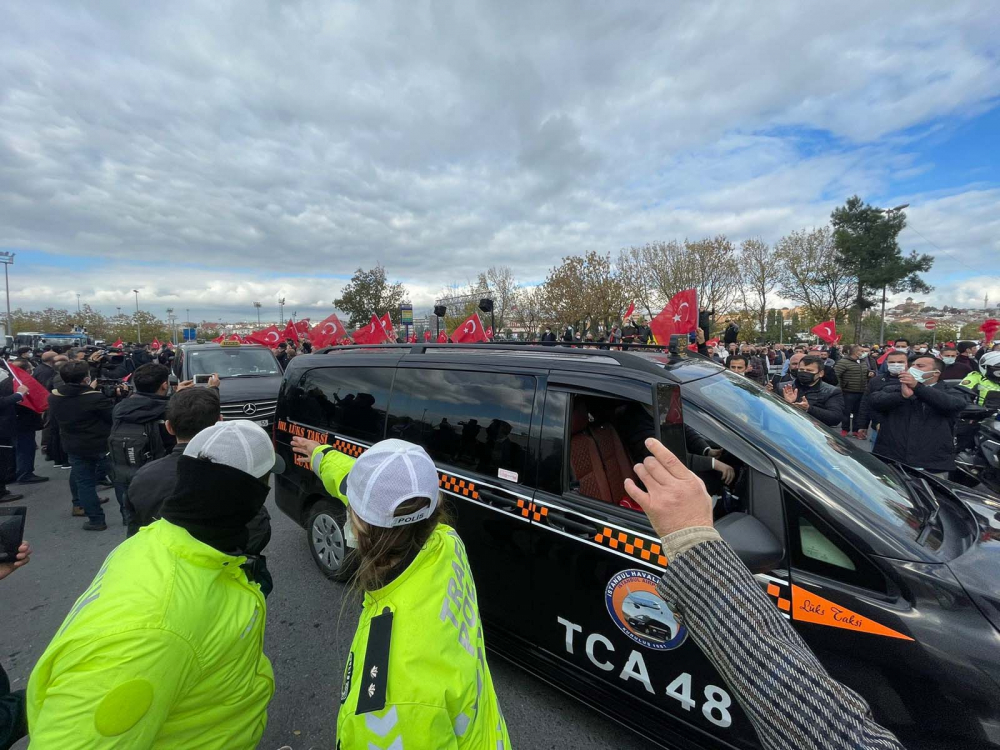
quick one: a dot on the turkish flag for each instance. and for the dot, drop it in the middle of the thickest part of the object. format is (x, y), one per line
(630, 313)
(117, 344)
(219, 339)
(235, 337)
(827, 331)
(470, 332)
(373, 333)
(37, 397)
(270, 336)
(320, 339)
(680, 315)
(330, 326)
(990, 328)
(712, 342)
(155, 345)
(390, 333)
(442, 338)
(302, 326)
(489, 332)
(290, 332)
(427, 336)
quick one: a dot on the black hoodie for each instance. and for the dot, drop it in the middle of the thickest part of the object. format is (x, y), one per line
(143, 408)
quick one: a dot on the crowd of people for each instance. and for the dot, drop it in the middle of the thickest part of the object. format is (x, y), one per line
(144, 666)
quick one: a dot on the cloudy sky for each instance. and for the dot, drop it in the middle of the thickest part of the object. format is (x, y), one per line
(214, 153)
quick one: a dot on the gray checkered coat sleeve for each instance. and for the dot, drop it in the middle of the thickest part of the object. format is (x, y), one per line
(787, 694)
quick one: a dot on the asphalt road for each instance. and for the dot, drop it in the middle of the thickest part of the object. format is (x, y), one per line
(310, 624)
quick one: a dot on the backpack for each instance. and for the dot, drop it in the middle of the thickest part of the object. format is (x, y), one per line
(133, 446)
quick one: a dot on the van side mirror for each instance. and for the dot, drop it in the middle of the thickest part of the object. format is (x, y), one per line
(752, 541)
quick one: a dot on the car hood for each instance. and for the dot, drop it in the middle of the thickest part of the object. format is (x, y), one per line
(261, 388)
(978, 568)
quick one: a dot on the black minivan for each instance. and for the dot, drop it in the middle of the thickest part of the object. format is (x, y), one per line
(889, 574)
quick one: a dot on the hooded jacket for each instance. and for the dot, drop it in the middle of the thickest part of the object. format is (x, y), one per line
(143, 408)
(165, 649)
(84, 416)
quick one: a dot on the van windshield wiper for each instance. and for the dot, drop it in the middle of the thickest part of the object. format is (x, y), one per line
(921, 491)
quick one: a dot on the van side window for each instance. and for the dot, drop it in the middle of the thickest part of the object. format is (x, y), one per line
(817, 548)
(475, 420)
(349, 401)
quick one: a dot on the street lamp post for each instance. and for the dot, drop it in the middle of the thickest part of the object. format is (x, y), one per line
(881, 326)
(7, 258)
(138, 327)
(281, 311)
(257, 305)
(170, 322)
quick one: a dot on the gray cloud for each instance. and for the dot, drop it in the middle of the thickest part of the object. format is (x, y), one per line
(263, 137)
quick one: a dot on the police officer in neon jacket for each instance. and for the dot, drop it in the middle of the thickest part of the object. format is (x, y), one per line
(417, 672)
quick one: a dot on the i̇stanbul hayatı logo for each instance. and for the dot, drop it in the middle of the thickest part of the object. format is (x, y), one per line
(640, 613)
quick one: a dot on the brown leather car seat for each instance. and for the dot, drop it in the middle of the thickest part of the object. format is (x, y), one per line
(598, 457)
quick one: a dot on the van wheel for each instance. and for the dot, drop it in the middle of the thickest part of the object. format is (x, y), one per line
(325, 533)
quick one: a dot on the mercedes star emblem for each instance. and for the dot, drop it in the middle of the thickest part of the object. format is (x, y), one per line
(249, 409)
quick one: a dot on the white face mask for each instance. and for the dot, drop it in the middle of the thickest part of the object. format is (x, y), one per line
(922, 350)
(948, 360)
(919, 375)
(896, 368)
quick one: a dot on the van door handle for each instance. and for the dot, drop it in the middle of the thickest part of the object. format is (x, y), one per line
(500, 501)
(572, 523)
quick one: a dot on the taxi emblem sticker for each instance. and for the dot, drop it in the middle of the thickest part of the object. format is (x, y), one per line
(640, 613)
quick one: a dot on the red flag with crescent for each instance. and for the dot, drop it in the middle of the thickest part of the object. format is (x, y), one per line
(329, 326)
(442, 338)
(470, 332)
(219, 339)
(155, 344)
(290, 332)
(373, 333)
(680, 315)
(270, 336)
(427, 336)
(117, 344)
(302, 326)
(390, 333)
(37, 397)
(827, 331)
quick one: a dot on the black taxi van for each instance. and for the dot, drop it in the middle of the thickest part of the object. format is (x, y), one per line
(889, 574)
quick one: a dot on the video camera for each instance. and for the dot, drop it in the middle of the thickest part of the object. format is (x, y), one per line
(114, 388)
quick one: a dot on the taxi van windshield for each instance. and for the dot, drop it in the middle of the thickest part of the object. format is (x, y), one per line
(769, 422)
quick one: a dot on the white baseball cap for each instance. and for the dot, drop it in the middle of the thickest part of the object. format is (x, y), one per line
(240, 444)
(387, 475)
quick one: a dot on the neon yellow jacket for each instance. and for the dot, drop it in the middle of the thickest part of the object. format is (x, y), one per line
(163, 650)
(431, 668)
(979, 385)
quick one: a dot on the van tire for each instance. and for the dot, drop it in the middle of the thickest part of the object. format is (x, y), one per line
(325, 537)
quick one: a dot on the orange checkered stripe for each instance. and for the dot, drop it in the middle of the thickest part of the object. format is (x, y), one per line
(351, 449)
(780, 594)
(463, 487)
(527, 508)
(637, 546)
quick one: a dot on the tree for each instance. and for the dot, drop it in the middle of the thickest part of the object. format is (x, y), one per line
(370, 293)
(527, 311)
(760, 269)
(499, 285)
(586, 292)
(864, 238)
(811, 276)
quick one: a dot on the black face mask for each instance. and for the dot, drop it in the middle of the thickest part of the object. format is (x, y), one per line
(805, 377)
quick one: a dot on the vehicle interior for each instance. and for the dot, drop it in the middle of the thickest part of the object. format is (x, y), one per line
(607, 438)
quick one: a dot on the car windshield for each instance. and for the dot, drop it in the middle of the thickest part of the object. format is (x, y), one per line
(232, 362)
(831, 460)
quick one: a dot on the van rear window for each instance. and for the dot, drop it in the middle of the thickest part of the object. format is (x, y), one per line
(349, 401)
(474, 420)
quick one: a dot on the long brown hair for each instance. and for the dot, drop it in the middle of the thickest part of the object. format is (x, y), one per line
(380, 549)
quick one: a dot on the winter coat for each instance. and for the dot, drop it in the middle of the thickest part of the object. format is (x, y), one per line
(143, 408)
(920, 430)
(852, 376)
(9, 400)
(826, 402)
(84, 416)
(866, 415)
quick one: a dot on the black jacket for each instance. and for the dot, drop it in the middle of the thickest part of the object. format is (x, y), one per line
(157, 480)
(44, 374)
(730, 334)
(8, 404)
(866, 415)
(920, 430)
(142, 408)
(84, 417)
(826, 402)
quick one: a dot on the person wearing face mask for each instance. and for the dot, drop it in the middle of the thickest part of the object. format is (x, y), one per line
(820, 400)
(900, 345)
(953, 369)
(775, 384)
(918, 414)
(165, 647)
(965, 357)
(895, 363)
(417, 666)
(986, 379)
